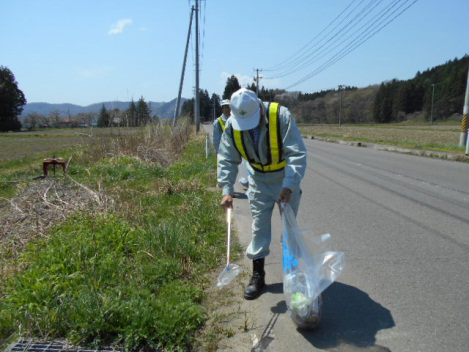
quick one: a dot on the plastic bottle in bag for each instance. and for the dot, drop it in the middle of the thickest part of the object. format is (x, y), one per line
(306, 274)
(305, 311)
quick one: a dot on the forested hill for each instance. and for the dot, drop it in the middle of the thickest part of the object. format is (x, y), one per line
(160, 109)
(447, 84)
(391, 101)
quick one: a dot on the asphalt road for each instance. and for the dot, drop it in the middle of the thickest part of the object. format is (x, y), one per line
(403, 223)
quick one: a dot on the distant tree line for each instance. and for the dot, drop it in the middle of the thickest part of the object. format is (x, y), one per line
(137, 114)
(12, 101)
(209, 106)
(446, 84)
(55, 119)
(134, 116)
(321, 94)
(437, 92)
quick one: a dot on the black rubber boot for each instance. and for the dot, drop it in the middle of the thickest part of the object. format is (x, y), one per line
(257, 282)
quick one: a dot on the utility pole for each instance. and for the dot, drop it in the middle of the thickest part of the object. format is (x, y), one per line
(196, 103)
(257, 79)
(183, 68)
(433, 94)
(463, 136)
(340, 110)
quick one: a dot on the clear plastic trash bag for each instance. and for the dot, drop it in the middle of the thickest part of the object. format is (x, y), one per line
(306, 273)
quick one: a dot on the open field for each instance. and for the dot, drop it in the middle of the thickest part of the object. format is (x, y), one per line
(437, 137)
(29, 144)
(17, 147)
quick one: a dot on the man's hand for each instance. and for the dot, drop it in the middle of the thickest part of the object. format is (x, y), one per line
(227, 202)
(285, 196)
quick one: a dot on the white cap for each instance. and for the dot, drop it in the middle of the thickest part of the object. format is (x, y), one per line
(225, 102)
(245, 109)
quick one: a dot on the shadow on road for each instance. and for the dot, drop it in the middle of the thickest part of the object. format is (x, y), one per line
(266, 338)
(276, 288)
(351, 318)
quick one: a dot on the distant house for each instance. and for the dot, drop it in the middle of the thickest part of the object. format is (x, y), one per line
(66, 122)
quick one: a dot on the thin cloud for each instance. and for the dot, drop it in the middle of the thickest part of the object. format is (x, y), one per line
(119, 26)
(85, 74)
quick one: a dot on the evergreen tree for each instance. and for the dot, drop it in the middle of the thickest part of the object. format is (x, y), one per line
(232, 85)
(104, 119)
(205, 107)
(132, 114)
(142, 113)
(266, 94)
(215, 101)
(380, 105)
(252, 87)
(11, 101)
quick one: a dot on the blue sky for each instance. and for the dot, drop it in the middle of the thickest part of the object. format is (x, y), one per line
(83, 52)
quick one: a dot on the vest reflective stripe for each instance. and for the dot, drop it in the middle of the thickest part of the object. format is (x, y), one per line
(222, 124)
(275, 144)
(273, 133)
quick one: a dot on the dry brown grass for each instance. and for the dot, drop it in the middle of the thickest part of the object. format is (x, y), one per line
(437, 137)
(154, 143)
(39, 206)
(29, 144)
(19, 146)
(42, 203)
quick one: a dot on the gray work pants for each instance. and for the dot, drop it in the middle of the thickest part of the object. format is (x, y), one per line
(262, 198)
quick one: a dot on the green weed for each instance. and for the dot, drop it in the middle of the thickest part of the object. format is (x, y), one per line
(134, 277)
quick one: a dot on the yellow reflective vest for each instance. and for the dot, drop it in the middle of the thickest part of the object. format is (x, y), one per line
(276, 161)
(222, 124)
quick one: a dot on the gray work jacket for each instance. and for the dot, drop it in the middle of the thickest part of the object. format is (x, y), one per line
(217, 132)
(294, 152)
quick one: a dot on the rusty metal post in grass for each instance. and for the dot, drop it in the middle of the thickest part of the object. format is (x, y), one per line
(53, 161)
(463, 136)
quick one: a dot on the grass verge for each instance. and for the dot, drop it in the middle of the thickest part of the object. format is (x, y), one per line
(131, 275)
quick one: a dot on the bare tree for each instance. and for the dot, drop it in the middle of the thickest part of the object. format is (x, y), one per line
(54, 117)
(44, 121)
(90, 118)
(32, 120)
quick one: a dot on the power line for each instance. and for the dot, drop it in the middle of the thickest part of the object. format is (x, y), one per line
(353, 45)
(349, 48)
(336, 42)
(280, 65)
(304, 62)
